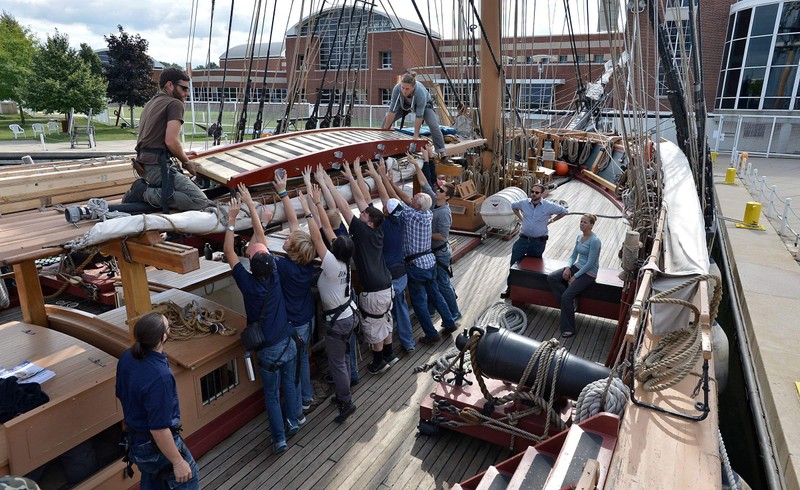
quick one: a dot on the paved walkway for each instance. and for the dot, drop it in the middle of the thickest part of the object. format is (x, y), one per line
(768, 278)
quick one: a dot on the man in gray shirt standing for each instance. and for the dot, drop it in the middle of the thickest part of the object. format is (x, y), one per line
(440, 232)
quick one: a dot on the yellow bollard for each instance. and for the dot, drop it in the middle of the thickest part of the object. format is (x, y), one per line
(714, 157)
(752, 213)
(730, 176)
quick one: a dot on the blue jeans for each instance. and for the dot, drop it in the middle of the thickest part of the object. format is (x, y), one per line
(566, 294)
(443, 282)
(277, 365)
(400, 312)
(422, 288)
(157, 470)
(305, 332)
(527, 248)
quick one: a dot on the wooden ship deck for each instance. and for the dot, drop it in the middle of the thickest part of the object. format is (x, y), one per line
(379, 446)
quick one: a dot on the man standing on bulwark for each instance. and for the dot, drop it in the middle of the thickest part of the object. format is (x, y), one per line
(537, 213)
(159, 141)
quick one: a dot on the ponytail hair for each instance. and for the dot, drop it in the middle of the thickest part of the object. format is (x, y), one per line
(148, 332)
(409, 76)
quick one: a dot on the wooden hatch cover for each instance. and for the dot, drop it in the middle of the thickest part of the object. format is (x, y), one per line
(254, 162)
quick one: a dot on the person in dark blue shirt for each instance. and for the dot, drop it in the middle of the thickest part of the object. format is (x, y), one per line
(261, 291)
(147, 391)
(297, 273)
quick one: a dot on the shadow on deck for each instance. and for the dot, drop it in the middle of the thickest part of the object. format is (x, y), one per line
(379, 446)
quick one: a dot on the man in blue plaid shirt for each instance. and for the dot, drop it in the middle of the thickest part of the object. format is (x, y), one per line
(420, 262)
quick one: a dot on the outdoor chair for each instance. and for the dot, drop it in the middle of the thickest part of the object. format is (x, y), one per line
(17, 130)
(38, 128)
(53, 127)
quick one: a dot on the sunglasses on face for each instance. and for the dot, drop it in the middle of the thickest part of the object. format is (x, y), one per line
(536, 193)
(184, 87)
(440, 189)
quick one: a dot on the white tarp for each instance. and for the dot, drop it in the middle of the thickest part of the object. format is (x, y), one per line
(684, 246)
(212, 220)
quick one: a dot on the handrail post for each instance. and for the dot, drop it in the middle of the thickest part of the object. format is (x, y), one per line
(772, 198)
(785, 218)
(763, 184)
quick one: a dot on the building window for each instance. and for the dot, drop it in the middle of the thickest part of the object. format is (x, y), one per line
(581, 58)
(386, 59)
(534, 96)
(301, 58)
(562, 58)
(219, 381)
(386, 96)
(597, 58)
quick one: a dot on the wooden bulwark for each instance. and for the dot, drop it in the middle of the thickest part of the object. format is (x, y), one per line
(255, 162)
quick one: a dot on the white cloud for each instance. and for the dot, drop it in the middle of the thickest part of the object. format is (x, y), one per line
(167, 25)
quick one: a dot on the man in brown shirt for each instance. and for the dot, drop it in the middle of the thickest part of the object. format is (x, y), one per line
(159, 139)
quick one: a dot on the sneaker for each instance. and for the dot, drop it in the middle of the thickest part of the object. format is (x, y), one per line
(279, 447)
(505, 294)
(392, 360)
(301, 421)
(409, 350)
(451, 329)
(344, 412)
(354, 382)
(428, 339)
(307, 405)
(292, 431)
(378, 369)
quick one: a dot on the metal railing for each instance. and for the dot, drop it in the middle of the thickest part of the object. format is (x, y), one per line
(777, 208)
(762, 135)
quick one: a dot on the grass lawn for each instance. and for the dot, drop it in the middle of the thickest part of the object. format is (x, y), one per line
(109, 132)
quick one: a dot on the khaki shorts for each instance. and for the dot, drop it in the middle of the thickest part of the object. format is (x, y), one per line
(376, 330)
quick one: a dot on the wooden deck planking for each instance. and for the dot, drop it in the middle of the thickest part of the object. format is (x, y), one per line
(379, 447)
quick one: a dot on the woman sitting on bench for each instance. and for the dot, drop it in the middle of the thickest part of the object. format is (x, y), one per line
(568, 283)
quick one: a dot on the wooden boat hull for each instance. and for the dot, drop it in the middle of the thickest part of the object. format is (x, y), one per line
(254, 162)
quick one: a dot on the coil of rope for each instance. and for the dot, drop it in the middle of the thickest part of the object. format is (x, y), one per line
(604, 395)
(191, 321)
(676, 353)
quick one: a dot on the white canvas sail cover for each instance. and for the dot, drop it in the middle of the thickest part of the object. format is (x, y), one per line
(684, 246)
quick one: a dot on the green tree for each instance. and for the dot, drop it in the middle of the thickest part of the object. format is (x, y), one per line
(88, 55)
(129, 70)
(210, 66)
(61, 80)
(167, 64)
(17, 47)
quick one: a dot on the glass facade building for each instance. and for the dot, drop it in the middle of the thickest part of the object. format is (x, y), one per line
(760, 58)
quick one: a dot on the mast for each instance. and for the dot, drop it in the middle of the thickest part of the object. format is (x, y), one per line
(490, 100)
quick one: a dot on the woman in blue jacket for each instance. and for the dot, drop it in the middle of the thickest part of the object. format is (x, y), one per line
(568, 283)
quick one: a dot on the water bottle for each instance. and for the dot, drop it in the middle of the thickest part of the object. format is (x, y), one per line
(248, 361)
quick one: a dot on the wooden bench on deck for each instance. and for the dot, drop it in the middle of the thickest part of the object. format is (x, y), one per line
(528, 282)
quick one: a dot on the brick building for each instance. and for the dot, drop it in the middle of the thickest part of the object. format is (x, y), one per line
(365, 59)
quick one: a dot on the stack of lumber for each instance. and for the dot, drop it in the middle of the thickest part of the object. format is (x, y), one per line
(27, 187)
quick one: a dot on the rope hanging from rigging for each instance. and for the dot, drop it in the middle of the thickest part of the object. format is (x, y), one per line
(240, 130)
(313, 119)
(260, 115)
(215, 130)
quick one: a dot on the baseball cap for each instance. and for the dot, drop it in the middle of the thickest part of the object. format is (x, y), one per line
(262, 264)
(254, 248)
(392, 204)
